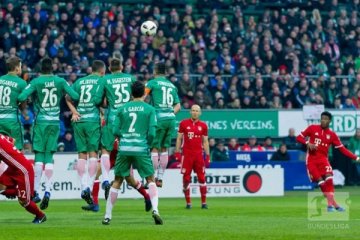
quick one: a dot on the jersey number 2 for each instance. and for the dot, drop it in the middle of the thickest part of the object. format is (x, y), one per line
(133, 120)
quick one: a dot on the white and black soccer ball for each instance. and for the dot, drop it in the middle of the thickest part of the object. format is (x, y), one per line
(148, 28)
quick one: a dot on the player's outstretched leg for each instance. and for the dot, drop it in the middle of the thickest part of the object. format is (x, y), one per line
(32, 208)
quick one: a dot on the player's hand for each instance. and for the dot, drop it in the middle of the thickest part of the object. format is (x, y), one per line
(207, 161)
(311, 146)
(75, 117)
(177, 156)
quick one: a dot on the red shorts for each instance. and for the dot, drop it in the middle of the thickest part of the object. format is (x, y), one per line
(192, 161)
(20, 171)
(24, 182)
(318, 169)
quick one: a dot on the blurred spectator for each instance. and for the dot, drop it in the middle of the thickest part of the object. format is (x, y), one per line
(268, 146)
(173, 162)
(233, 145)
(61, 147)
(281, 154)
(290, 140)
(252, 145)
(220, 154)
(27, 117)
(212, 144)
(69, 142)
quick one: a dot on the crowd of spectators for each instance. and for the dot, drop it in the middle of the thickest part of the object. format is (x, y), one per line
(218, 55)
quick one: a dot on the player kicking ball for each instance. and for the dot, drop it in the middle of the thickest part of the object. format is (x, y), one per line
(18, 178)
(135, 125)
(318, 139)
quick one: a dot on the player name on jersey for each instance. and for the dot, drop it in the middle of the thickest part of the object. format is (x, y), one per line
(119, 80)
(8, 83)
(135, 109)
(89, 81)
(166, 84)
(50, 84)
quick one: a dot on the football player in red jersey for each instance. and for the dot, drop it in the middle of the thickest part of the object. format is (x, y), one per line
(193, 138)
(18, 177)
(318, 139)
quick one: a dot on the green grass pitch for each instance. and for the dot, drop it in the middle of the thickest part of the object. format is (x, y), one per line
(227, 218)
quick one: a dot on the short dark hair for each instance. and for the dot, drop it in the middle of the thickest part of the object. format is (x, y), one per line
(46, 65)
(137, 89)
(328, 114)
(160, 68)
(115, 64)
(97, 65)
(12, 63)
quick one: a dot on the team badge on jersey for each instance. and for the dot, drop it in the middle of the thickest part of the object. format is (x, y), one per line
(328, 136)
(199, 128)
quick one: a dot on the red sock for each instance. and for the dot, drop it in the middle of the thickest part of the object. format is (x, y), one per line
(203, 190)
(33, 208)
(186, 191)
(140, 188)
(95, 192)
(11, 192)
(330, 188)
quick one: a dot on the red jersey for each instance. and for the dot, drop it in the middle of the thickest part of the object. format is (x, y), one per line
(322, 138)
(193, 134)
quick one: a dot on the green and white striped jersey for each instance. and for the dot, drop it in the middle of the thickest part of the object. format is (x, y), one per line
(47, 92)
(86, 87)
(164, 96)
(133, 123)
(10, 87)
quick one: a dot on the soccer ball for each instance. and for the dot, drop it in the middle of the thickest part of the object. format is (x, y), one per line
(148, 28)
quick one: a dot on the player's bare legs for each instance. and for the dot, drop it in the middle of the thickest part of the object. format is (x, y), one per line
(105, 169)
